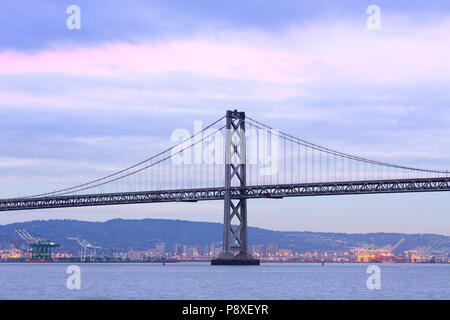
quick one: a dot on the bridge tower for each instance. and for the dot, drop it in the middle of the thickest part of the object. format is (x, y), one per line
(235, 239)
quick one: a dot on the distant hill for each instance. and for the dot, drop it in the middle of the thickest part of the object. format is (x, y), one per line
(122, 235)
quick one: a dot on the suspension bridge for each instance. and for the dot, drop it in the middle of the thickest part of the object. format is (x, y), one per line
(233, 159)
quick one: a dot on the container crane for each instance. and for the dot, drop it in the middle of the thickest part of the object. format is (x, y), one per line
(392, 248)
(85, 245)
(39, 249)
(425, 253)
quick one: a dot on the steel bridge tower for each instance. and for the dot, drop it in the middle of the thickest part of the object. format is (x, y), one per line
(235, 239)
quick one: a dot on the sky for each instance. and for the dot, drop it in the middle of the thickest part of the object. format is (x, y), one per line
(77, 104)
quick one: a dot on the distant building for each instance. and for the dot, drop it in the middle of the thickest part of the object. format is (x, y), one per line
(259, 250)
(179, 250)
(161, 249)
(272, 249)
(284, 253)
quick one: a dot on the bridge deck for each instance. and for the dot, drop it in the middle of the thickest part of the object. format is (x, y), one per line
(250, 192)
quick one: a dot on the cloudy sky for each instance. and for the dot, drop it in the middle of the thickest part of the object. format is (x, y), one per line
(79, 104)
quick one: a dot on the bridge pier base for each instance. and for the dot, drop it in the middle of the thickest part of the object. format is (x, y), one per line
(235, 261)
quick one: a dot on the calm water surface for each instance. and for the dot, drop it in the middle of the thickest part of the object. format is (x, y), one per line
(202, 281)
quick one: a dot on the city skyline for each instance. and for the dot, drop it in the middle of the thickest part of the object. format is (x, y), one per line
(271, 252)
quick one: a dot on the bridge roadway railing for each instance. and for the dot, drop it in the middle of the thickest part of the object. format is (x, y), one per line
(217, 193)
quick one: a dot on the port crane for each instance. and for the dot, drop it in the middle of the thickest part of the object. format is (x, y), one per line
(26, 236)
(425, 252)
(85, 247)
(39, 249)
(368, 252)
(392, 248)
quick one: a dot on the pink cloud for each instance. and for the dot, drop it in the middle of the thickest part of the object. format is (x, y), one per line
(314, 53)
(202, 57)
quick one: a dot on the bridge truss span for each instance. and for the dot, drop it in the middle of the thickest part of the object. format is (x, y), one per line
(250, 192)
